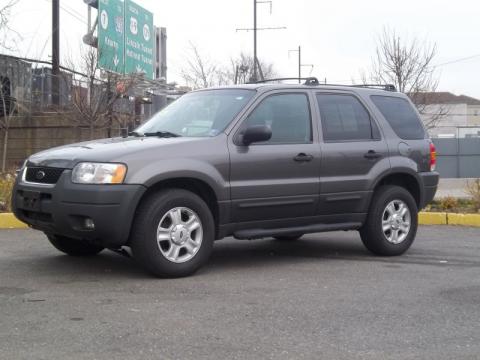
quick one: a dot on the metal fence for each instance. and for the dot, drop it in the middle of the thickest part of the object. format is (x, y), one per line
(458, 157)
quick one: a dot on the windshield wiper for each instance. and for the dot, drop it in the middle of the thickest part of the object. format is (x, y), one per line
(135, 133)
(163, 134)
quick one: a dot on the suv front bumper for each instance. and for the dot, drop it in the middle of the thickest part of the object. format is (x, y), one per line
(63, 209)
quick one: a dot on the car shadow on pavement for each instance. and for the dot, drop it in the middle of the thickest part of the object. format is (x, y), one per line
(234, 255)
(106, 265)
(326, 247)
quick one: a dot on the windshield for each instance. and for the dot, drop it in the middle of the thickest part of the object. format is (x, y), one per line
(198, 114)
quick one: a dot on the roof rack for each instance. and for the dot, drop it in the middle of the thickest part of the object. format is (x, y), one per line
(386, 87)
(308, 81)
(313, 81)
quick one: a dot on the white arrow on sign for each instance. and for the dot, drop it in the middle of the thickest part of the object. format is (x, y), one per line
(139, 69)
(116, 60)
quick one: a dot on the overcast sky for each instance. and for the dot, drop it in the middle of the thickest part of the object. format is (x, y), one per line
(337, 36)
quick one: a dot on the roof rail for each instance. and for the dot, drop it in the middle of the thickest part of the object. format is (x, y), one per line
(313, 81)
(386, 87)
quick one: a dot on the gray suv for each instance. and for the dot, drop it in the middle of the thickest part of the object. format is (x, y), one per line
(251, 161)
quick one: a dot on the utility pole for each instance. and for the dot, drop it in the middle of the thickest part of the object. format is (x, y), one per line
(299, 62)
(255, 78)
(56, 52)
(300, 65)
(255, 29)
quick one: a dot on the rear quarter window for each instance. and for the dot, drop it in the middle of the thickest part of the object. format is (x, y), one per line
(401, 116)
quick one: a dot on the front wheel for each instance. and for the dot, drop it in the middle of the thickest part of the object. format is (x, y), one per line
(173, 233)
(392, 222)
(74, 247)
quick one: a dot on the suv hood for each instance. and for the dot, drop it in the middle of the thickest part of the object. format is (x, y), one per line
(104, 150)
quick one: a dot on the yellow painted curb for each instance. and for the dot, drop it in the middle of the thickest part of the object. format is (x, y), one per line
(464, 219)
(9, 221)
(431, 218)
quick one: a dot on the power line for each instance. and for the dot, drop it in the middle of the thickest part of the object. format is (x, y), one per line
(457, 60)
(71, 12)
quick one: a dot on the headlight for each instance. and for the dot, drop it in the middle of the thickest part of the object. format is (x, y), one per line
(22, 168)
(97, 173)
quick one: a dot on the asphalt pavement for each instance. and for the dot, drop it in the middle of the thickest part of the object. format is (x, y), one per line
(322, 297)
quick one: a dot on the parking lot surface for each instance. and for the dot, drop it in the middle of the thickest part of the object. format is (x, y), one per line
(322, 297)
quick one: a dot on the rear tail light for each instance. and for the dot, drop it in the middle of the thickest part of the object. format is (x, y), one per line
(433, 157)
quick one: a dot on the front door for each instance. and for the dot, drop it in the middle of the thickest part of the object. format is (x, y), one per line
(279, 178)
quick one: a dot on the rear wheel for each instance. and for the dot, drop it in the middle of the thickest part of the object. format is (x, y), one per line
(173, 233)
(74, 247)
(392, 222)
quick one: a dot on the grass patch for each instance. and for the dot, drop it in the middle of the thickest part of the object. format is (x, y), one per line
(7, 181)
(453, 205)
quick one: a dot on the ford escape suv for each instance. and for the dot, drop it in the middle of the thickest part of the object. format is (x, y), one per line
(251, 161)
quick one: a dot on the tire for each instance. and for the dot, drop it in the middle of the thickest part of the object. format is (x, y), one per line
(182, 248)
(74, 247)
(397, 237)
(288, 237)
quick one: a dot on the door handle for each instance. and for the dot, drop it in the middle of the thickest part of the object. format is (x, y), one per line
(302, 157)
(372, 154)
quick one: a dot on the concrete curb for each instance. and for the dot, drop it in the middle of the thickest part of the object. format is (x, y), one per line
(9, 221)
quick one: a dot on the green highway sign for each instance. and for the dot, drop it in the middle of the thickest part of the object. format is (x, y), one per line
(111, 35)
(125, 38)
(139, 40)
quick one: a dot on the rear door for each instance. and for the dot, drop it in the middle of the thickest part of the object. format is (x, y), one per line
(279, 178)
(353, 153)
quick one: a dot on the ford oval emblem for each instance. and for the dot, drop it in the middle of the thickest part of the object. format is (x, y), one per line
(40, 175)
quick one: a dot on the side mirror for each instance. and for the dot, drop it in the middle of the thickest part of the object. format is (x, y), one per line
(256, 133)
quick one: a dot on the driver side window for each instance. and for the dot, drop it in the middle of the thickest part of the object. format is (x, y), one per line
(288, 115)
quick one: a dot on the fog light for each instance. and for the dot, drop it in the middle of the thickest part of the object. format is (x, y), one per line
(89, 224)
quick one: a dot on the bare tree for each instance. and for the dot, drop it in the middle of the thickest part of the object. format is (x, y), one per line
(242, 69)
(93, 97)
(201, 72)
(8, 36)
(407, 64)
(7, 101)
(7, 111)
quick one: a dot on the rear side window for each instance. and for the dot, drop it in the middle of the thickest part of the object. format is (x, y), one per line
(344, 118)
(401, 116)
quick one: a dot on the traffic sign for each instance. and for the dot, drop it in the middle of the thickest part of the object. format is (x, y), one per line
(139, 40)
(111, 35)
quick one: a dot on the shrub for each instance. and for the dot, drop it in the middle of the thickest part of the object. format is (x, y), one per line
(6, 187)
(448, 203)
(473, 189)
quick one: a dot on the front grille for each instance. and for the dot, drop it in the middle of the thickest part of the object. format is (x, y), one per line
(43, 175)
(37, 216)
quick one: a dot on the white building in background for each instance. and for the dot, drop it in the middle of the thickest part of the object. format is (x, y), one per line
(461, 114)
